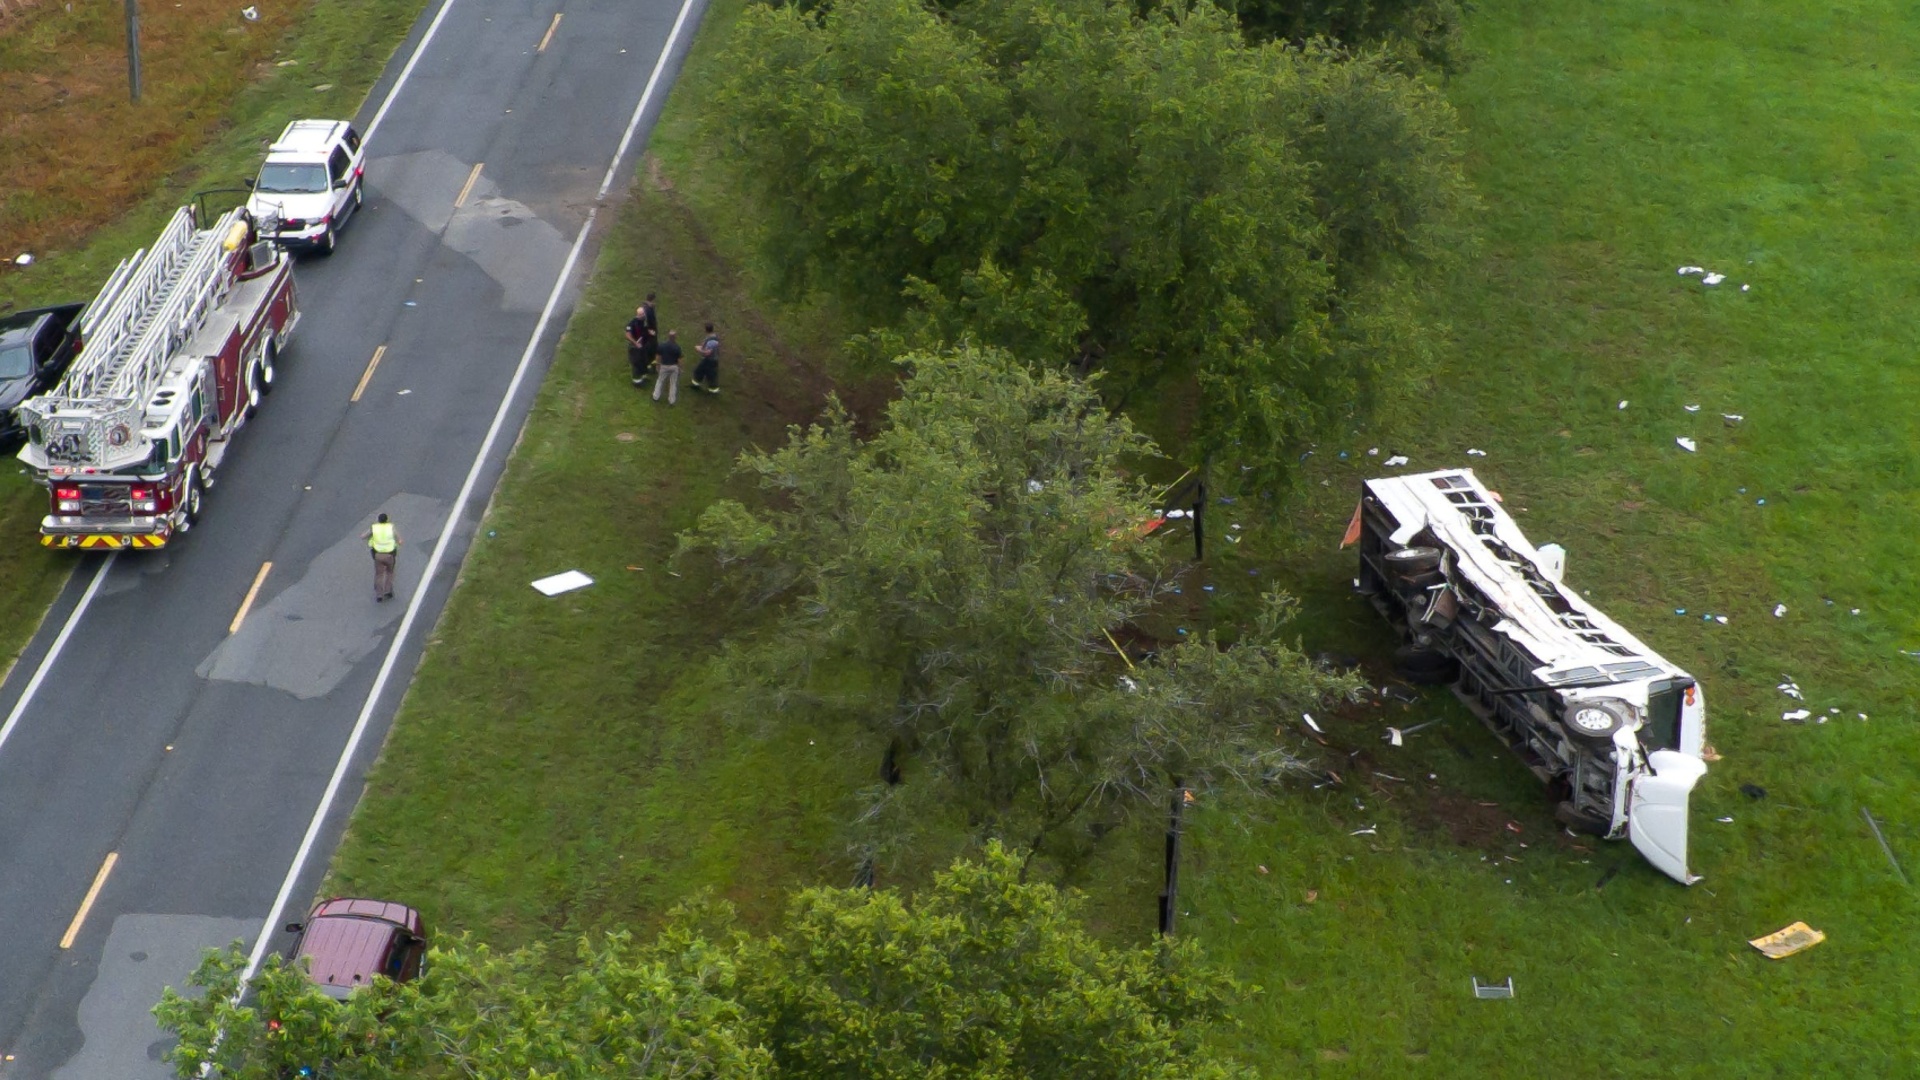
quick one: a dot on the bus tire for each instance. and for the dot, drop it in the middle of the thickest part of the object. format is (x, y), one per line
(1425, 667)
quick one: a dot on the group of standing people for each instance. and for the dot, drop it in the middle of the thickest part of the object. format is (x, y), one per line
(647, 353)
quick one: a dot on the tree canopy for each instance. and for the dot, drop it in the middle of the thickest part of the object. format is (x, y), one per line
(1148, 196)
(982, 977)
(955, 581)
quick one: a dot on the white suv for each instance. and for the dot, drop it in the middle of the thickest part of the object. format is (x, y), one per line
(309, 185)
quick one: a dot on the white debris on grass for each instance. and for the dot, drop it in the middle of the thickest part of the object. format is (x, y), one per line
(1476, 453)
(1687, 444)
(1779, 611)
(1796, 716)
(1308, 717)
(559, 583)
(1713, 279)
(25, 258)
(1691, 408)
(1395, 461)
(1791, 689)
(1623, 404)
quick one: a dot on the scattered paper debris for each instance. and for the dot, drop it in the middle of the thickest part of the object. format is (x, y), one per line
(25, 258)
(1744, 288)
(559, 583)
(323, 88)
(402, 393)
(1713, 279)
(1373, 451)
(1371, 830)
(1395, 461)
(1797, 716)
(1687, 444)
(1721, 619)
(1692, 270)
(1732, 417)
(1308, 717)
(1784, 943)
(1394, 737)
(1691, 408)
(1476, 453)
(251, 14)
(1791, 689)
(1262, 869)
(1623, 404)
(1779, 611)
(1176, 513)
(1724, 820)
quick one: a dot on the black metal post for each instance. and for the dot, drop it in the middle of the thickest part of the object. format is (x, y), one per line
(133, 50)
(1170, 894)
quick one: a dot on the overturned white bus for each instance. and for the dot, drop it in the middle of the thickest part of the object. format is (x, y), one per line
(1614, 730)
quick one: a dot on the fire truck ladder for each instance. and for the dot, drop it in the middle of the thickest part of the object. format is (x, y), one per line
(158, 299)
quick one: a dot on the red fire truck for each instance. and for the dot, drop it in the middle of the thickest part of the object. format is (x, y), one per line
(177, 351)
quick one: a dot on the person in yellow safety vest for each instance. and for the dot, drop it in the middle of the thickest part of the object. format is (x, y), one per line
(384, 540)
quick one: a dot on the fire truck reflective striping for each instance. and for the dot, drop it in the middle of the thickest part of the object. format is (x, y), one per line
(103, 541)
(180, 348)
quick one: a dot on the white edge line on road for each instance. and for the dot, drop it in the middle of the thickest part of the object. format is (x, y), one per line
(53, 651)
(646, 95)
(413, 611)
(418, 50)
(320, 813)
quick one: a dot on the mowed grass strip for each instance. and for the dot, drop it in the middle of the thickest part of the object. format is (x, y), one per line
(1613, 145)
(86, 178)
(563, 765)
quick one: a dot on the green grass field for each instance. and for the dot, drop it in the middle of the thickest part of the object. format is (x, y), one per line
(560, 765)
(340, 44)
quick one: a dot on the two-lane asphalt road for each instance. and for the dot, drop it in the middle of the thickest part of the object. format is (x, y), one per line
(188, 732)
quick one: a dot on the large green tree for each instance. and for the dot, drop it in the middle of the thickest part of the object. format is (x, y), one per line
(982, 976)
(956, 580)
(1149, 196)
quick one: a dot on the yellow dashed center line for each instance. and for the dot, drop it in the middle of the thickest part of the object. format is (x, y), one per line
(368, 377)
(80, 917)
(258, 580)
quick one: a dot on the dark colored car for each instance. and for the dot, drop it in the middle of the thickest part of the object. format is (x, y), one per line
(345, 942)
(35, 348)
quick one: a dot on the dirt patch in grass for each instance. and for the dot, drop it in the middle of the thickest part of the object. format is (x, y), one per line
(74, 151)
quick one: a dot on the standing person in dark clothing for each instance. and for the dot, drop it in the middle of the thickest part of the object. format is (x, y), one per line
(706, 374)
(669, 368)
(643, 340)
